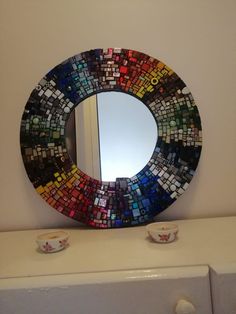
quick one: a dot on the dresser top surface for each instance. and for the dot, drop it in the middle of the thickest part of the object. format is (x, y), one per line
(200, 242)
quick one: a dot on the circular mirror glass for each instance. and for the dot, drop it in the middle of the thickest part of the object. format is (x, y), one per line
(111, 135)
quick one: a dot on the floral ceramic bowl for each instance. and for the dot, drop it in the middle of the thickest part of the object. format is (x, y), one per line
(162, 232)
(53, 241)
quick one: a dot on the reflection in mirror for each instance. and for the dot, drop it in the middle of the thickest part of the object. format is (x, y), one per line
(111, 135)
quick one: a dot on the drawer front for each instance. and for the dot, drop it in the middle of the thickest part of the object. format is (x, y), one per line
(223, 283)
(133, 292)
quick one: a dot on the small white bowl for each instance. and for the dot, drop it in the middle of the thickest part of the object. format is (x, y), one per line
(53, 241)
(162, 232)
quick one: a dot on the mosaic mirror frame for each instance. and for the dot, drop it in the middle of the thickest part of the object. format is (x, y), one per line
(127, 201)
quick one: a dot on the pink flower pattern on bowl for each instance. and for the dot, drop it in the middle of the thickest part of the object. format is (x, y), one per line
(164, 237)
(47, 247)
(63, 243)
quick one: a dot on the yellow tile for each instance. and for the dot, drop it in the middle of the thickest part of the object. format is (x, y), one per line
(63, 176)
(150, 88)
(139, 95)
(154, 73)
(57, 184)
(40, 189)
(154, 81)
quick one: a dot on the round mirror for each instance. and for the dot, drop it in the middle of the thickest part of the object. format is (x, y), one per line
(127, 198)
(111, 135)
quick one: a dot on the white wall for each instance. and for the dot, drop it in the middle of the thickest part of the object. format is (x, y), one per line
(196, 38)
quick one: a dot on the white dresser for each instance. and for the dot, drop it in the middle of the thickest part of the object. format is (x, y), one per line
(121, 271)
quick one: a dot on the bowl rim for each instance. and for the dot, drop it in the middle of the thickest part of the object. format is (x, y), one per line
(157, 227)
(45, 237)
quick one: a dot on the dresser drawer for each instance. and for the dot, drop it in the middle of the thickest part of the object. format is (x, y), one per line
(151, 291)
(223, 283)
